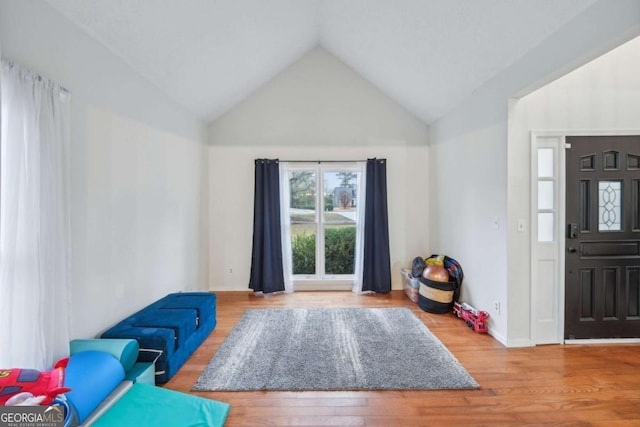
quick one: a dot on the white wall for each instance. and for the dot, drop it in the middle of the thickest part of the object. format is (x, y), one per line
(468, 216)
(318, 109)
(603, 95)
(138, 164)
(471, 152)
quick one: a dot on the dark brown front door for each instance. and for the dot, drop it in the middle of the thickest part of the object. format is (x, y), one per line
(602, 264)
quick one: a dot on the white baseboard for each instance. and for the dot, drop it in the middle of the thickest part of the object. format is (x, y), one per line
(604, 341)
(498, 337)
(519, 343)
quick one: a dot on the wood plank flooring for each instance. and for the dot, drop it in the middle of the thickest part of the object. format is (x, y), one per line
(576, 385)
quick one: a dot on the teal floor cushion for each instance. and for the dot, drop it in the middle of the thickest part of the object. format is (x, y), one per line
(147, 405)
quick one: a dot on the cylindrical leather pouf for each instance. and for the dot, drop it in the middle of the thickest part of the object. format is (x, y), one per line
(435, 297)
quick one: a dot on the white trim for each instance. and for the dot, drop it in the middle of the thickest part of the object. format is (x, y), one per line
(533, 232)
(583, 132)
(520, 343)
(604, 341)
(560, 189)
(362, 199)
(497, 336)
(552, 330)
(285, 227)
(319, 281)
(562, 218)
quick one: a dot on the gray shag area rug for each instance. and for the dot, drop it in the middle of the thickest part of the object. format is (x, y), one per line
(332, 349)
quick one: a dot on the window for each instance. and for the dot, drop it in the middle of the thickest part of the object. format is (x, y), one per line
(546, 194)
(323, 214)
(609, 206)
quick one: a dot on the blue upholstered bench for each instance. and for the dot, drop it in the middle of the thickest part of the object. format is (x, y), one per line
(169, 330)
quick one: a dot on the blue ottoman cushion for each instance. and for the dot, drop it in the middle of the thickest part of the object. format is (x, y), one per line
(172, 328)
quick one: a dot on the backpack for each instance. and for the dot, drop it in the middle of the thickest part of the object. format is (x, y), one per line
(417, 266)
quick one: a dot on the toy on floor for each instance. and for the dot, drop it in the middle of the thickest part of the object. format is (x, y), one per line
(475, 319)
(32, 387)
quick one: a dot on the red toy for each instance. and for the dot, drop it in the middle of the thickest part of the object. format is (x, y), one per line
(475, 319)
(38, 383)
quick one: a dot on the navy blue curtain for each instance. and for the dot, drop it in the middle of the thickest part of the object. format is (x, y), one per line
(376, 274)
(266, 256)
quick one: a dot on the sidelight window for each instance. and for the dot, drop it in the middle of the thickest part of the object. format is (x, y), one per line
(546, 194)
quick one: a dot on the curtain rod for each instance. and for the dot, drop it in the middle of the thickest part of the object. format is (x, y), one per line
(323, 161)
(33, 74)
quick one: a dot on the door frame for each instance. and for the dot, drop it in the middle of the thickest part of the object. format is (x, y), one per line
(547, 323)
(326, 282)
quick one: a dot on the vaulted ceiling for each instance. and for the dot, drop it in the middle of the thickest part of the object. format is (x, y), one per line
(428, 55)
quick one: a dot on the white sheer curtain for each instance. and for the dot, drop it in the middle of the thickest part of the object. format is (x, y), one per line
(34, 219)
(285, 224)
(362, 191)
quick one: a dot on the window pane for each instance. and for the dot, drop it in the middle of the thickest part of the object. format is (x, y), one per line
(323, 216)
(609, 204)
(339, 249)
(303, 248)
(545, 162)
(545, 227)
(545, 194)
(302, 186)
(340, 196)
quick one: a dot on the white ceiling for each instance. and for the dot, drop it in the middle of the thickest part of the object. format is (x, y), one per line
(428, 55)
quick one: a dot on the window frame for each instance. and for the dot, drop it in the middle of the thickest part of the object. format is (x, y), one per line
(320, 276)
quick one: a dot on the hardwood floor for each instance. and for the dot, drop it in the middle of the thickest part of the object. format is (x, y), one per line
(556, 385)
